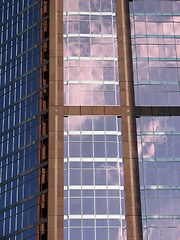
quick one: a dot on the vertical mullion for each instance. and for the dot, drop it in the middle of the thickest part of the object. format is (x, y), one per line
(56, 124)
(129, 135)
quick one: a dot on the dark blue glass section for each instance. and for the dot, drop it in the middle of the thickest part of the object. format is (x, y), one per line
(23, 115)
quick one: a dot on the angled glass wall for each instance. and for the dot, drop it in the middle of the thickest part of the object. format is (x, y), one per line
(91, 74)
(156, 51)
(94, 197)
(159, 164)
(23, 118)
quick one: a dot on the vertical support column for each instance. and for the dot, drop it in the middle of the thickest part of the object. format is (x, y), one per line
(129, 136)
(56, 122)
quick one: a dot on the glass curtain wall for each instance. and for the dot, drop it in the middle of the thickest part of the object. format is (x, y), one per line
(155, 37)
(94, 197)
(23, 118)
(156, 54)
(159, 164)
(94, 201)
(91, 74)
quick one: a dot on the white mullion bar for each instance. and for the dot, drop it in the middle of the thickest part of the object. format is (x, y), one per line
(89, 35)
(106, 169)
(93, 133)
(95, 216)
(93, 159)
(15, 99)
(91, 58)
(12, 165)
(91, 82)
(93, 187)
(3, 169)
(23, 159)
(90, 13)
(4, 105)
(68, 182)
(68, 70)
(8, 135)
(94, 174)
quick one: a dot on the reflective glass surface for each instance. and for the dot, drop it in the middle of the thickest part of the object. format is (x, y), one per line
(159, 163)
(91, 74)
(155, 37)
(21, 118)
(94, 202)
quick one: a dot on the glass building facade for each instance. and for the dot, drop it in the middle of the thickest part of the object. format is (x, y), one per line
(89, 119)
(94, 178)
(91, 71)
(23, 118)
(94, 199)
(158, 141)
(156, 54)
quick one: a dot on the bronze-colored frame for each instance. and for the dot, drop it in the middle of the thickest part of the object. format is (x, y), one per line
(128, 112)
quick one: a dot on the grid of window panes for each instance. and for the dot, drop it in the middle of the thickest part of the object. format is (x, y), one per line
(155, 37)
(91, 74)
(20, 140)
(159, 163)
(94, 202)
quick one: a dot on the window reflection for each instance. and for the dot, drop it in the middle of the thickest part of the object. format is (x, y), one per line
(90, 53)
(155, 47)
(94, 186)
(158, 141)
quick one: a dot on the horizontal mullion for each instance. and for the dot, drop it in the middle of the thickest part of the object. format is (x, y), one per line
(95, 216)
(24, 147)
(21, 108)
(14, 60)
(23, 201)
(79, 159)
(119, 110)
(38, 149)
(25, 52)
(21, 12)
(24, 122)
(89, 13)
(25, 98)
(23, 174)
(94, 187)
(7, 91)
(24, 75)
(21, 33)
(24, 229)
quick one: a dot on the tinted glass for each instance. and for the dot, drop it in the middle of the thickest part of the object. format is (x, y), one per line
(23, 117)
(159, 163)
(91, 74)
(156, 51)
(94, 178)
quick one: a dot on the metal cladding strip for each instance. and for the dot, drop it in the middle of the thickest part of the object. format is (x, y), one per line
(129, 136)
(56, 121)
(117, 110)
(157, 111)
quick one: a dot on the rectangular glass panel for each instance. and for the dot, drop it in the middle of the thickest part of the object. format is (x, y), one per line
(91, 74)
(159, 164)
(156, 51)
(94, 178)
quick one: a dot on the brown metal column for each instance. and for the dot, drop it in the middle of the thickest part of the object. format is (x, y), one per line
(56, 120)
(131, 170)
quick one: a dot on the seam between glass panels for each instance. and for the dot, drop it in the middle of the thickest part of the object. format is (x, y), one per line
(24, 75)
(21, 33)
(34, 117)
(22, 11)
(24, 229)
